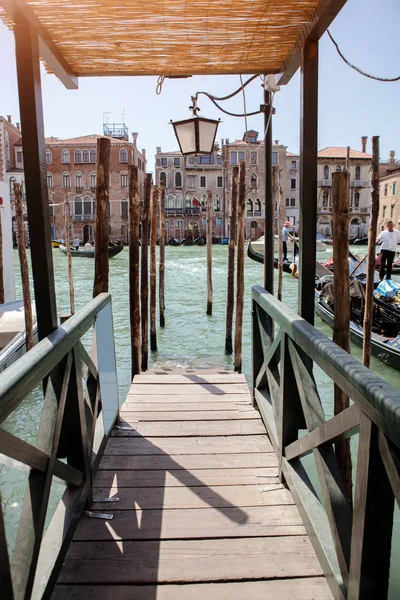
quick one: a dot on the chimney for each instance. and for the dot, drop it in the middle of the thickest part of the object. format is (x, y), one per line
(158, 150)
(134, 137)
(18, 126)
(9, 119)
(391, 157)
(364, 140)
(144, 154)
(227, 141)
(277, 142)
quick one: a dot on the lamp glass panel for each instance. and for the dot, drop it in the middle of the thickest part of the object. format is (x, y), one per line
(207, 133)
(185, 132)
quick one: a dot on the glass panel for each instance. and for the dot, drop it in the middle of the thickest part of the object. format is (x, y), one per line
(207, 132)
(185, 132)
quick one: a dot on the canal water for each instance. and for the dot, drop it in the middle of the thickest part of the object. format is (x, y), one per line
(189, 339)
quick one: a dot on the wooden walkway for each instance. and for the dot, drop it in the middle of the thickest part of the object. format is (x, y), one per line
(201, 511)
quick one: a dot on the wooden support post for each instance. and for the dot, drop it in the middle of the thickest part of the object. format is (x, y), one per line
(134, 298)
(26, 291)
(1, 264)
(240, 270)
(161, 284)
(366, 357)
(279, 202)
(269, 199)
(341, 328)
(144, 272)
(153, 269)
(209, 252)
(69, 257)
(230, 299)
(31, 112)
(101, 264)
(308, 179)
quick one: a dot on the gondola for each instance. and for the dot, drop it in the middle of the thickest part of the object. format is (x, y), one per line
(112, 251)
(258, 257)
(384, 348)
(173, 242)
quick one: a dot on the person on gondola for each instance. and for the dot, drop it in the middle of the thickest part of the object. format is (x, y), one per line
(390, 237)
(285, 238)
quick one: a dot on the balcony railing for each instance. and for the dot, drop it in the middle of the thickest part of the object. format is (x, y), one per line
(257, 213)
(78, 188)
(90, 217)
(189, 210)
(325, 183)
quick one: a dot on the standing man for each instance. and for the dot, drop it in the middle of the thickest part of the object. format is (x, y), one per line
(285, 237)
(390, 238)
(77, 243)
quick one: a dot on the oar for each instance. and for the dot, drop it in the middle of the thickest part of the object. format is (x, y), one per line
(358, 265)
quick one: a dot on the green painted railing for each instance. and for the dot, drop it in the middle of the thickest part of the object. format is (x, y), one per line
(79, 409)
(353, 546)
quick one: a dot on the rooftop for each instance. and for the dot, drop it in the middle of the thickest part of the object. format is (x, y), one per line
(90, 139)
(332, 152)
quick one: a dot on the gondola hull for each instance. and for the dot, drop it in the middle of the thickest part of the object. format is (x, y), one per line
(112, 251)
(258, 257)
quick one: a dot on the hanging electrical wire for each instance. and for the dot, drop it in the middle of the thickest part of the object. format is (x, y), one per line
(214, 100)
(244, 104)
(390, 80)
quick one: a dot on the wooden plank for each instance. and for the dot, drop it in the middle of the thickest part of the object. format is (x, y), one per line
(192, 445)
(133, 416)
(284, 589)
(189, 461)
(199, 496)
(193, 524)
(184, 389)
(194, 398)
(225, 402)
(186, 477)
(189, 378)
(189, 428)
(198, 560)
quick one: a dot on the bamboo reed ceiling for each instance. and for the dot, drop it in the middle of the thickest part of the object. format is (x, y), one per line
(175, 37)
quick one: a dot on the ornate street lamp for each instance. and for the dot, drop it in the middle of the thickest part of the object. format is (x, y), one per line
(196, 135)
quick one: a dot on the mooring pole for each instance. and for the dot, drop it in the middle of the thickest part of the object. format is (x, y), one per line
(26, 291)
(161, 284)
(230, 298)
(134, 297)
(240, 271)
(144, 272)
(209, 253)
(373, 225)
(341, 327)
(279, 202)
(101, 235)
(153, 269)
(69, 257)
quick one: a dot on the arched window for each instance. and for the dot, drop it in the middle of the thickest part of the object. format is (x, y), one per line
(257, 208)
(93, 156)
(78, 180)
(325, 197)
(170, 201)
(123, 155)
(253, 225)
(163, 178)
(124, 207)
(253, 181)
(358, 173)
(217, 203)
(326, 172)
(249, 207)
(87, 205)
(66, 180)
(12, 181)
(85, 156)
(178, 201)
(188, 201)
(357, 200)
(49, 157)
(204, 201)
(65, 157)
(78, 156)
(49, 180)
(93, 181)
(78, 206)
(178, 179)
(338, 168)
(123, 179)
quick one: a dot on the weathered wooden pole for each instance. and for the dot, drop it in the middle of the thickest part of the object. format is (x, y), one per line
(161, 284)
(134, 278)
(101, 236)
(69, 257)
(230, 298)
(278, 197)
(240, 270)
(373, 225)
(209, 252)
(341, 328)
(1, 264)
(153, 269)
(144, 272)
(26, 291)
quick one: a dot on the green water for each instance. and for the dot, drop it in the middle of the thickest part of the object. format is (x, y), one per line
(190, 339)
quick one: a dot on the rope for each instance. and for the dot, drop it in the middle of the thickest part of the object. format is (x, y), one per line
(160, 82)
(356, 68)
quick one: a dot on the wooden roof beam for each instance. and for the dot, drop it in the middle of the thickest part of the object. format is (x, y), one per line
(21, 13)
(326, 12)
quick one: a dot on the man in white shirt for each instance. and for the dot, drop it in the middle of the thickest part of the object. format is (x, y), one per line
(390, 238)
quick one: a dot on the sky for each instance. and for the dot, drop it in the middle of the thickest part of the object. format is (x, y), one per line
(350, 105)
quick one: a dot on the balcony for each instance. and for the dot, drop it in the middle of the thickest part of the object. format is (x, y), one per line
(77, 218)
(325, 183)
(78, 188)
(257, 213)
(190, 210)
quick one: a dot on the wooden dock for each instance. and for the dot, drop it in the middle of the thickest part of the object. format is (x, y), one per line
(201, 512)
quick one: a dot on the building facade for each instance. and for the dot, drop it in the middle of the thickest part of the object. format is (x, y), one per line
(389, 198)
(331, 160)
(71, 177)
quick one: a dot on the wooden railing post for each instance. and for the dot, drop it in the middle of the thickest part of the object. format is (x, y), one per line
(134, 278)
(230, 298)
(144, 273)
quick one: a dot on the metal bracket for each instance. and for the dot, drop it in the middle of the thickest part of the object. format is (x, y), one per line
(113, 499)
(98, 515)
